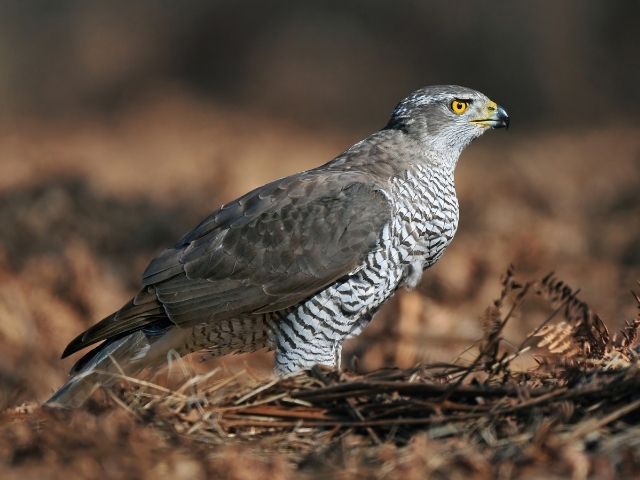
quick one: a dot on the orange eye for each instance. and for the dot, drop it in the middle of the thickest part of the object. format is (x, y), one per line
(459, 107)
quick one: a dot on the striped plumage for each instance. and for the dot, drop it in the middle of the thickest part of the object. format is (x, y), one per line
(304, 262)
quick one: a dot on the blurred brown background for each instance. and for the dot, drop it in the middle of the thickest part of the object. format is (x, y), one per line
(123, 123)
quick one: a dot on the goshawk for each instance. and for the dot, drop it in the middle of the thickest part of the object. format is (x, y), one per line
(302, 263)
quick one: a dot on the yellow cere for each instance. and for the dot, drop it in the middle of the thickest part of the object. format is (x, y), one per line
(459, 107)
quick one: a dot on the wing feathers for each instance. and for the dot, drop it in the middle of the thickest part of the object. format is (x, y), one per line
(268, 250)
(131, 317)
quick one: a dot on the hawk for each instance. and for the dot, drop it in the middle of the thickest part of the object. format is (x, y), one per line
(302, 263)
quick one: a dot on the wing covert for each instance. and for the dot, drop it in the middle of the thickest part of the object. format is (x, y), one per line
(271, 248)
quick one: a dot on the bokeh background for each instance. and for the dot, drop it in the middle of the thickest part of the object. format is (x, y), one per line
(123, 123)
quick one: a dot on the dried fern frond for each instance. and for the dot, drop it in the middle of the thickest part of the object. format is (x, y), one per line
(559, 339)
(629, 337)
(590, 332)
(492, 323)
(493, 320)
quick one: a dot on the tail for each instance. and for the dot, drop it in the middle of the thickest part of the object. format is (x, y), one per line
(102, 366)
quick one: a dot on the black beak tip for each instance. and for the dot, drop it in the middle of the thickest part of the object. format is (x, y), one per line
(503, 118)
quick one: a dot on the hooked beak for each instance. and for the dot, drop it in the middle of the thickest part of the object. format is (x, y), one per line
(495, 116)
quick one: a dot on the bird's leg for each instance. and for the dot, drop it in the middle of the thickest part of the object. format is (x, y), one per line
(291, 357)
(338, 357)
(359, 325)
(413, 274)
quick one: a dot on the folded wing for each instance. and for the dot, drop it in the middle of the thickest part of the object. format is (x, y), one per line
(266, 251)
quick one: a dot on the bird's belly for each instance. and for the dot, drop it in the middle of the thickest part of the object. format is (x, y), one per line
(425, 235)
(434, 240)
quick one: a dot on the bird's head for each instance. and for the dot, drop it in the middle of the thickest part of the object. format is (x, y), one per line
(444, 119)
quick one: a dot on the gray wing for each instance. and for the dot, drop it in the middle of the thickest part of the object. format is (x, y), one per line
(266, 251)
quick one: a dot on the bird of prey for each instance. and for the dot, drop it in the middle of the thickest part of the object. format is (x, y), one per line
(302, 263)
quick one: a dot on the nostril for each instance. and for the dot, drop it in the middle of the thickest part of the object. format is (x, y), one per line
(491, 108)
